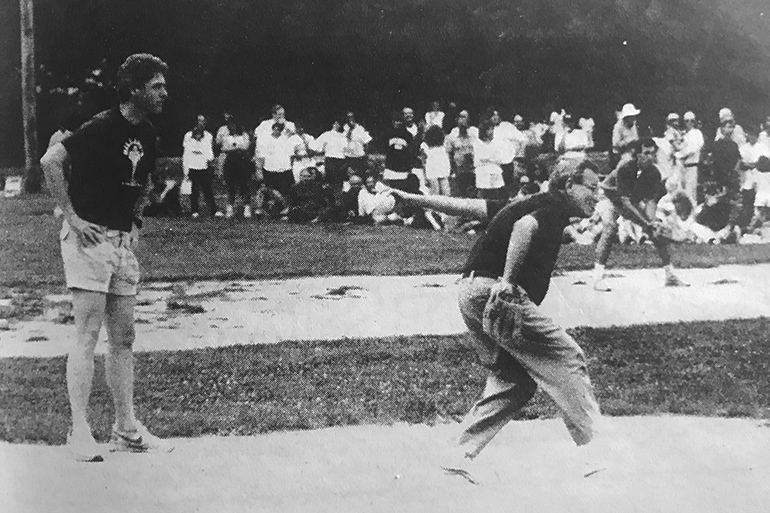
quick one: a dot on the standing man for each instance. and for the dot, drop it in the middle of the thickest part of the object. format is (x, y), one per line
(357, 140)
(197, 159)
(632, 190)
(515, 258)
(689, 155)
(624, 133)
(110, 158)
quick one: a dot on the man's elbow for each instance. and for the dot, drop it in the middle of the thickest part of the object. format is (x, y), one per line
(55, 155)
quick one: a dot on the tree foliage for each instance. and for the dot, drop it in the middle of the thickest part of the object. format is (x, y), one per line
(320, 57)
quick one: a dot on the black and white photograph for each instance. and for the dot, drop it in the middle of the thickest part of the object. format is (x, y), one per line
(384, 256)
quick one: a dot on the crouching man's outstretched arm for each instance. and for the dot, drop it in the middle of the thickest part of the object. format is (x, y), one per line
(466, 207)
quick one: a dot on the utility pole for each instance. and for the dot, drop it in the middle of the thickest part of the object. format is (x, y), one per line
(33, 181)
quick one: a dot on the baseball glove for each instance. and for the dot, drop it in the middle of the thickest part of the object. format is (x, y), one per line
(503, 317)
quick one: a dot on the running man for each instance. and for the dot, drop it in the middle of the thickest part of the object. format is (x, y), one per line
(110, 158)
(516, 256)
(633, 189)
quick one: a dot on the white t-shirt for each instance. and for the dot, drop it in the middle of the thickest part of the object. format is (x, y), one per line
(507, 138)
(692, 143)
(277, 152)
(487, 157)
(434, 118)
(750, 156)
(436, 161)
(356, 141)
(332, 144)
(265, 129)
(196, 154)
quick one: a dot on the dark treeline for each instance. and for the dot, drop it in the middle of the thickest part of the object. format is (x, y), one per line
(319, 58)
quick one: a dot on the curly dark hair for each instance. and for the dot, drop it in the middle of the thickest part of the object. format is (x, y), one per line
(136, 71)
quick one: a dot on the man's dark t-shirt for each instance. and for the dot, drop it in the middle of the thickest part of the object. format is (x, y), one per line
(106, 152)
(627, 180)
(725, 156)
(400, 155)
(491, 249)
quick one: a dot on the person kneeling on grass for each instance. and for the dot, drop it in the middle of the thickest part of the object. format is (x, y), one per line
(515, 257)
(309, 201)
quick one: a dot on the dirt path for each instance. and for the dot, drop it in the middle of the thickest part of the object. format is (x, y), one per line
(688, 465)
(681, 464)
(206, 314)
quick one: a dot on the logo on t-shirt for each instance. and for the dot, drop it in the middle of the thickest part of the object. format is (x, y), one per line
(134, 150)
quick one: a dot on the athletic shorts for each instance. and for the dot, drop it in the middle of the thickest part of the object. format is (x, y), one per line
(109, 266)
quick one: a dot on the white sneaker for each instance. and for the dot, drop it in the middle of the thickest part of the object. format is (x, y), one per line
(83, 447)
(195, 215)
(247, 212)
(218, 213)
(229, 211)
(139, 441)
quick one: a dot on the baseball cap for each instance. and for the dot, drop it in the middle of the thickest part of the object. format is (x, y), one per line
(689, 115)
(673, 116)
(725, 114)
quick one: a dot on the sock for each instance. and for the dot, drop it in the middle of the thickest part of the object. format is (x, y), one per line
(669, 269)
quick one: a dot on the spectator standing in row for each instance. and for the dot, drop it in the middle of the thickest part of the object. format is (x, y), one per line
(505, 137)
(355, 148)
(304, 151)
(435, 116)
(332, 144)
(624, 133)
(487, 158)
(751, 154)
(274, 153)
(690, 156)
(278, 115)
(573, 141)
(400, 155)
(237, 167)
(460, 148)
(436, 161)
(738, 135)
(725, 158)
(219, 138)
(197, 160)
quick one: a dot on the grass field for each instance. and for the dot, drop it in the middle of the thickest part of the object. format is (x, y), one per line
(708, 368)
(214, 248)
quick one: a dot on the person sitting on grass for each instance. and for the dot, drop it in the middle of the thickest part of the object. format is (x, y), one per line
(675, 213)
(309, 201)
(711, 219)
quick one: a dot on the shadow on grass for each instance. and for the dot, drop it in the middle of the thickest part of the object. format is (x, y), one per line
(704, 368)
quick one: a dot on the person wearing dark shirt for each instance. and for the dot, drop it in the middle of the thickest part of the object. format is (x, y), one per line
(725, 158)
(633, 189)
(309, 201)
(516, 256)
(109, 159)
(400, 157)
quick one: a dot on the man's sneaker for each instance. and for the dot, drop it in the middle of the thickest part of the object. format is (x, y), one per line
(195, 215)
(84, 448)
(247, 212)
(601, 285)
(229, 211)
(673, 280)
(459, 467)
(218, 213)
(139, 441)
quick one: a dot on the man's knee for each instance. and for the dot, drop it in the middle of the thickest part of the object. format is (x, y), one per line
(122, 335)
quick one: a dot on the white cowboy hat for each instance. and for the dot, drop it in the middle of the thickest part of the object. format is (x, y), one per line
(629, 110)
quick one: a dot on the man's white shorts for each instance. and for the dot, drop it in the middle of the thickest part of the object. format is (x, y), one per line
(109, 266)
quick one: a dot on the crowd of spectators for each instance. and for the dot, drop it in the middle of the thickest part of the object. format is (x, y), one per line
(278, 170)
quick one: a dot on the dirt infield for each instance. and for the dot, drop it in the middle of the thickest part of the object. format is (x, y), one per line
(670, 464)
(208, 314)
(685, 464)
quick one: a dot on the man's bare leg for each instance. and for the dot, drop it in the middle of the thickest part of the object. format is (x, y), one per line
(119, 361)
(88, 309)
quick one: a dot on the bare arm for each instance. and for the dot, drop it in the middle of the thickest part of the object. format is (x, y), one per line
(518, 246)
(54, 162)
(469, 207)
